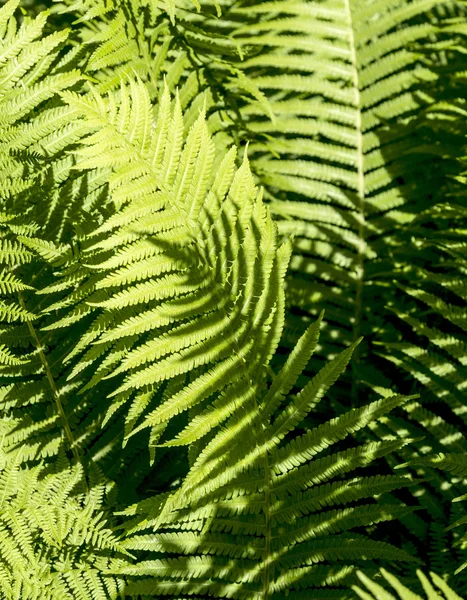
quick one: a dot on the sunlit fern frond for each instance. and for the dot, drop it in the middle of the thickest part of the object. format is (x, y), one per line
(180, 292)
(261, 513)
(36, 126)
(40, 206)
(28, 83)
(434, 588)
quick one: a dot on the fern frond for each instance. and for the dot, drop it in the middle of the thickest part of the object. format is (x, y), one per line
(435, 589)
(457, 465)
(196, 283)
(45, 523)
(275, 516)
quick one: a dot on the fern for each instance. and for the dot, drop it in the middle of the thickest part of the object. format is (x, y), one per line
(457, 465)
(404, 593)
(46, 523)
(196, 249)
(267, 513)
(185, 186)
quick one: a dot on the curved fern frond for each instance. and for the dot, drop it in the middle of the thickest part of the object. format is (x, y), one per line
(185, 277)
(277, 506)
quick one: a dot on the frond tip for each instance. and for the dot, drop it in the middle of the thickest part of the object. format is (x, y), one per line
(182, 287)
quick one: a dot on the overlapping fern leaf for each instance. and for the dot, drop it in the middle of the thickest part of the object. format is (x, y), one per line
(265, 514)
(117, 40)
(29, 82)
(35, 128)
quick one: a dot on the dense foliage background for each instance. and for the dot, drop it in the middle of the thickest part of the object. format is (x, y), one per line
(185, 188)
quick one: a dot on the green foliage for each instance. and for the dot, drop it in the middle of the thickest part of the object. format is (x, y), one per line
(55, 542)
(257, 514)
(439, 591)
(209, 210)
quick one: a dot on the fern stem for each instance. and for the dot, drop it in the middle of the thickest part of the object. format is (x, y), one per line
(359, 263)
(267, 517)
(53, 386)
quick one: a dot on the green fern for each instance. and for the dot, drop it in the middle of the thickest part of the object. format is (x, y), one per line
(377, 592)
(457, 465)
(157, 393)
(186, 272)
(258, 515)
(54, 540)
